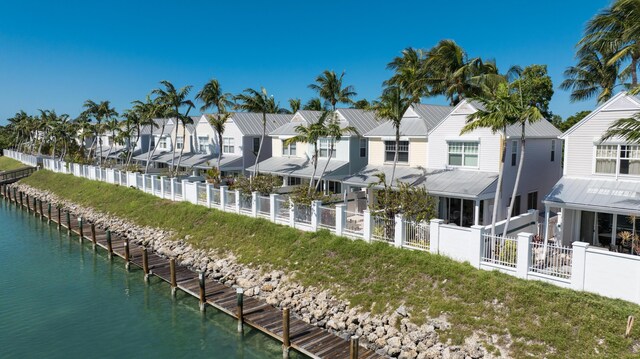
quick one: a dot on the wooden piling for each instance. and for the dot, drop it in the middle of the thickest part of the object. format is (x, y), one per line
(239, 305)
(93, 235)
(21, 200)
(353, 347)
(80, 229)
(49, 212)
(26, 199)
(202, 292)
(172, 270)
(286, 342)
(145, 264)
(126, 253)
(109, 246)
(59, 220)
(41, 211)
(68, 222)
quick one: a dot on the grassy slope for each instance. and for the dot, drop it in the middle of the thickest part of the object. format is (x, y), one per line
(378, 275)
(7, 164)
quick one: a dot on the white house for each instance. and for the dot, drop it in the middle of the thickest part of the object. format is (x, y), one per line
(598, 196)
(462, 170)
(294, 161)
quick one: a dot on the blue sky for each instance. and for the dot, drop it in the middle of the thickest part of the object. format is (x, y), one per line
(55, 57)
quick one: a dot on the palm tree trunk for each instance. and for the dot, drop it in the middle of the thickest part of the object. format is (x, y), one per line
(173, 157)
(395, 156)
(152, 152)
(496, 198)
(184, 133)
(315, 167)
(634, 71)
(515, 185)
(325, 167)
(219, 154)
(264, 130)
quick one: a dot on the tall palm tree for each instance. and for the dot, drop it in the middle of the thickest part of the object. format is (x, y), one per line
(392, 105)
(174, 100)
(311, 134)
(295, 104)
(314, 104)
(213, 97)
(497, 114)
(111, 126)
(99, 111)
(593, 76)
(259, 102)
(148, 111)
(334, 133)
(329, 87)
(218, 123)
(410, 72)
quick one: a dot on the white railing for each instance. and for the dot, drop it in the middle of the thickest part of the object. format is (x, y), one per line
(201, 191)
(246, 203)
(303, 214)
(215, 197)
(499, 250)
(230, 203)
(328, 218)
(264, 206)
(283, 206)
(552, 260)
(167, 188)
(354, 224)
(416, 235)
(383, 228)
(147, 183)
(178, 191)
(156, 184)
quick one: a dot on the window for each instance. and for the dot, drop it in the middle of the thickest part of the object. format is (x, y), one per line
(532, 200)
(110, 141)
(179, 143)
(153, 142)
(289, 150)
(294, 181)
(516, 206)
(227, 145)
(334, 187)
(553, 150)
(463, 154)
(363, 147)
(203, 144)
(514, 152)
(325, 147)
(390, 151)
(256, 145)
(618, 159)
(162, 143)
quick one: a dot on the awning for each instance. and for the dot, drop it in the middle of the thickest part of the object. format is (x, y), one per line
(598, 195)
(301, 167)
(196, 160)
(367, 175)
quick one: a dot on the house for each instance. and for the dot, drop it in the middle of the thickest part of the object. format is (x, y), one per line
(461, 171)
(598, 197)
(117, 151)
(293, 162)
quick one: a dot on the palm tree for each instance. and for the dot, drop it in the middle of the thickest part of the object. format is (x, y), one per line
(393, 103)
(410, 72)
(311, 134)
(148, 111)
(314, 104)
(259, 102)
(334, 133)
(111, 126)
(175, 99)
(213, 97)
(295, 104)
(132, 124)
(592, 76)
(362, 104)
(329, 87)
(100, 111)
(218, 123)
(497, 114)
(627, 129)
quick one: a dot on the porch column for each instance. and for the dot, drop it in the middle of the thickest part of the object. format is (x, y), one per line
(546, 225)
(284, 181)
(476, 212)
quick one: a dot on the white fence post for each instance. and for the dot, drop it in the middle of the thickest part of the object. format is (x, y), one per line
(162, 189)
(524, 254)
(434, 235)
(238, 201)
(172, 184)
(223, 197)
(144, 182)
(399, 231)
(274, 206)
(315, 214)
(341, 218)
(292, 214)
(190, 191)
(207, 189)
(366, 230)
(153, 184)
(254, 204)
(476, 235)
(578, 264)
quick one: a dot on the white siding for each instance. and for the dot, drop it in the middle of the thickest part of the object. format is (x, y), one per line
(376, 151)
(418, 152)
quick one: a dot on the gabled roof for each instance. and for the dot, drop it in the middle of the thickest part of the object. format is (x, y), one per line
(631, 100)
(250, 124)
(362, 120)
(428, 117)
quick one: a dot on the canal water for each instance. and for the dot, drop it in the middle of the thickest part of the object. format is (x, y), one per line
(59, 299)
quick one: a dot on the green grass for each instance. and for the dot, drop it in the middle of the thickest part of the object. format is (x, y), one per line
(538, 316)
(7, 164)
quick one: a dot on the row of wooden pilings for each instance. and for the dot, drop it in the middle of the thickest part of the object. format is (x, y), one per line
(35, 206)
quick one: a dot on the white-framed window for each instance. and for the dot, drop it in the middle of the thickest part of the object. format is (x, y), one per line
(203, 144)
(179, 143)
(227, 145)
(162, 143)
(390, 151)
(109, 141)
(325, 147)
(514, 152)
(294, 181)
(289, 150)
(464, 154)
(363, 147)
(256, 145)
(553, 150)
(618, 159)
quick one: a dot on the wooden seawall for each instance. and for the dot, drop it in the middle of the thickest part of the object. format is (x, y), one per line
(292, 332)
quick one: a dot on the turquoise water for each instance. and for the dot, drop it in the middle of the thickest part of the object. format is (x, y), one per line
(59, 299)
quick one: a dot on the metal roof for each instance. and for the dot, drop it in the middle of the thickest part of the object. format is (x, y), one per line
(539, 129)
(602, 195)
(250, 124)
(363, 121)
(429, 116)
(300, 167)
(367, 175)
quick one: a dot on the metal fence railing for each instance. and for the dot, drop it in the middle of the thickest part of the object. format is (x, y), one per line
(201, 191)
(354, 224)
(383, 228)
(282, 212)
(499, 250)
(327, 218)
(303, 214)
(230, 203)
(552, 260)
(215, 197)
(245, 203)
(167, 188)
(264, 206)
(147, 184)
(416, 235)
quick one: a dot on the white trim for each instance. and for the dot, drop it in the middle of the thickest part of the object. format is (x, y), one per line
(599, 109)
